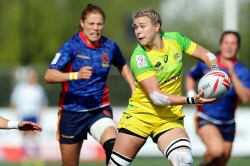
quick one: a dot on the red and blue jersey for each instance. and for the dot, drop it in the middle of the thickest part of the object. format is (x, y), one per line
(224, 109)
(88, 94)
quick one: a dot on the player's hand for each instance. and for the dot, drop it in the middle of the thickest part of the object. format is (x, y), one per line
(199, 98)
(85, 72)
(27, 126)
(230, 66)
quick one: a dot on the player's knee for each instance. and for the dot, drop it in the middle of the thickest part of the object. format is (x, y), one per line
(179, 152)
(118, 159)
(216, 153)
(108, 147)
(98, 128)
(181, 157)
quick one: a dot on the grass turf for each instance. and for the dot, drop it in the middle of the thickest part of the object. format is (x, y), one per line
(145, 161)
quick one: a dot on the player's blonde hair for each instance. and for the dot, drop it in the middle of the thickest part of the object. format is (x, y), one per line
(151, 13)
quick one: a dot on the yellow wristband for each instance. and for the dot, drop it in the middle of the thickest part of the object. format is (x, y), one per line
(73, 76)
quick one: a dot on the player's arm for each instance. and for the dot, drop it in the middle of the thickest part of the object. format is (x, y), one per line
(190, 86)
(3, 123)
(242, 92)
(24, 126)
(205, 56)
(152, 88)
(55, 76)
(127, 75)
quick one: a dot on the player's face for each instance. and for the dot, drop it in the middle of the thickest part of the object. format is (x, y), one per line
(92, 27)
(229, 46)
(145, 31)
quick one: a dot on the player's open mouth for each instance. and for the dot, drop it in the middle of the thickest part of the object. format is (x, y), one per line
(140, 38)
(95, 35)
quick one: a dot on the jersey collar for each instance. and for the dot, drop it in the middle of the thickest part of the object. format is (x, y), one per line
(85, 40)
(221, 64)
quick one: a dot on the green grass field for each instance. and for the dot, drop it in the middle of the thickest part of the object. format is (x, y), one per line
(151, 161)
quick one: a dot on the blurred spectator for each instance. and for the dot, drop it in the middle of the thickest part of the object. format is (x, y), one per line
(28, 99)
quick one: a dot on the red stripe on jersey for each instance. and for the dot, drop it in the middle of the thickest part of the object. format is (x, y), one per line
(105, 97)
(86, 41)
(200, 108)
(223, 65)
(65, 85)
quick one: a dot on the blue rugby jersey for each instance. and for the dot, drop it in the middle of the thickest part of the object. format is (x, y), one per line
(224, 109)
(89, 94)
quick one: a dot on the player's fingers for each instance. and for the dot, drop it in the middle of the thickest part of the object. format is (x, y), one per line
(86, 68)
(201, 94)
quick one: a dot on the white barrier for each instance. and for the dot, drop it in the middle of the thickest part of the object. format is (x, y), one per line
(50, 147)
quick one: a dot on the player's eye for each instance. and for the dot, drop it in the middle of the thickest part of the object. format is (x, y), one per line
(135, 26)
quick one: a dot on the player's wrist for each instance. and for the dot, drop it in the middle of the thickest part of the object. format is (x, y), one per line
(73, 76)
(191, 93)
(215, 67)
(190, 100)
(12, 124)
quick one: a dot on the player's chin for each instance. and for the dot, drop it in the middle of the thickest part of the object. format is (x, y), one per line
(142, 42)
(95, 40)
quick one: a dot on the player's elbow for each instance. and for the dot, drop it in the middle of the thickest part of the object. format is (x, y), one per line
(47, 78)
(159, 99)
(246, 99)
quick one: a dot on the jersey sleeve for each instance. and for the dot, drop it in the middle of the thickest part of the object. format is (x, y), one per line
(188, 46)
(119, 60)
(245, 78)
(140, 65)
(197, 71)
(62, 57)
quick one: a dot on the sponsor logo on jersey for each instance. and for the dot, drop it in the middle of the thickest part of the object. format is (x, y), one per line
(180, 120)
(82, 56)
(68, 136)
(166, 59)
(158, 66)
(107, 113)
(128, 116)
(177, 57)
(105, 60)
(141, 62)
(174, 78)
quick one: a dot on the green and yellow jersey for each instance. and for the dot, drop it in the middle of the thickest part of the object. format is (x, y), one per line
(166, 65)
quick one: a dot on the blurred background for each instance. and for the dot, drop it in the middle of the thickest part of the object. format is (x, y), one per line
(31, 32)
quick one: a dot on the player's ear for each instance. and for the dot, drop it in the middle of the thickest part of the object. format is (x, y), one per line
(82, 25)
(158, 27)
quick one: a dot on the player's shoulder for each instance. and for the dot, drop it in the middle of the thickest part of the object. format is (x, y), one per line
(242, 68)
(171, 35)
(241, 64)
(199, 66)
(139, 50)
(74, 40)
(108, 42)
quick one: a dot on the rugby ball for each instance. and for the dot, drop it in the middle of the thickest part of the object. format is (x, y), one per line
(215, 84)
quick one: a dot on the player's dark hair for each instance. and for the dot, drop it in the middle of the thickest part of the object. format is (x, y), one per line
(90, 9)
(231, 32)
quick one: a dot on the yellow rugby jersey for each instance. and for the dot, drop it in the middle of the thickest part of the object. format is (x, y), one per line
(166, 65)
